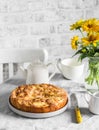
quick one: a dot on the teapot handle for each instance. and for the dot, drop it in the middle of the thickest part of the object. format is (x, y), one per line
(86, 96)
(51, 76)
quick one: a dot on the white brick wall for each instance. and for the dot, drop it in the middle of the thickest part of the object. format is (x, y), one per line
(43, 23)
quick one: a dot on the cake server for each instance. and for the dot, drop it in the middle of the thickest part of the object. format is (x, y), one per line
(74, 104)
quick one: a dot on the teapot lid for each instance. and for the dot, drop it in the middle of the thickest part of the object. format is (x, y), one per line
(36, 62)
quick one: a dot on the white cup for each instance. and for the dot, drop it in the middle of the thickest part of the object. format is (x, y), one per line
(93, 102)
(70, 68)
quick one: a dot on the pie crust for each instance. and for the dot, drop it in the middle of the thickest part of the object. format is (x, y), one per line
(38, 98)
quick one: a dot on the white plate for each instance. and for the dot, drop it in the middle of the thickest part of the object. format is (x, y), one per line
(37, 115)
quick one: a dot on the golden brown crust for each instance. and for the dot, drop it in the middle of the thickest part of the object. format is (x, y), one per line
(38, 98)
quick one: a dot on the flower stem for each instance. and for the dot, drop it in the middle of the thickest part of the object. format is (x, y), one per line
(93, 76)
(81, 32)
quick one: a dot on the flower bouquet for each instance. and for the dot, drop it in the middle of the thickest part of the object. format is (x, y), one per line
(87, 46)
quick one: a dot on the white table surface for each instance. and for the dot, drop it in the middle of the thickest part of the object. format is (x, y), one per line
(65, 121)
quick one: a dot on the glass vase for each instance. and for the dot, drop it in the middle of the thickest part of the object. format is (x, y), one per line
(92, 79)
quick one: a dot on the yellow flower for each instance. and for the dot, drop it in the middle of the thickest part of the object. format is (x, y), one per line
(95, 44)
(85, 41)
(90, 39)
(74, 41)
(87, 45)
(76, 25)
(91, 25)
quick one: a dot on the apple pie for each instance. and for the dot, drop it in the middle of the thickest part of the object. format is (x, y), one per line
(38, 98)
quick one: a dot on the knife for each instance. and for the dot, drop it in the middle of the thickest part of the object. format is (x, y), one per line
(74, 103)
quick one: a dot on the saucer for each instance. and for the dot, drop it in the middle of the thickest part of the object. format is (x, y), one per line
(37, 115)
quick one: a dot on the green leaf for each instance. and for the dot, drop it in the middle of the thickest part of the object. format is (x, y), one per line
(96, 54)
(82, 56)
(78, 52)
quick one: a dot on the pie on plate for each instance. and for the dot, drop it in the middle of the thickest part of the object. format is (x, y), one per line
(38, 98)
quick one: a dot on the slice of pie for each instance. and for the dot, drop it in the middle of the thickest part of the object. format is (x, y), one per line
(38, 98)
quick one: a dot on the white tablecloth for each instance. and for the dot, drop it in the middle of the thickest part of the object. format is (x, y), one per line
(65, 121)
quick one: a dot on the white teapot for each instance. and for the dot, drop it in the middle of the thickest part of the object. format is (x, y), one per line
(37, 73)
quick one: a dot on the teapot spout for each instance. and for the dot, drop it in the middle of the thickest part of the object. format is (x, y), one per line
(22, 72)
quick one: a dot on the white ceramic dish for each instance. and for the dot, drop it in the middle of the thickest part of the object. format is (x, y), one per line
(37, 115)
